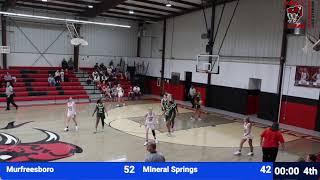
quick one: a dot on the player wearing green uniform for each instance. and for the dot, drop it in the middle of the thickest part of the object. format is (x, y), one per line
(170, 114)
(174, 107)
(100, 109)
(197, 105)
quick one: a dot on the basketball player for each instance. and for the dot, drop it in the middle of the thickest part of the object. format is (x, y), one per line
(101, 114)
(71, 114)
(175, 110)
(120, 93)
(169, 116)
(150, 124)
(164, 102)
(246, 136)
(197, 106)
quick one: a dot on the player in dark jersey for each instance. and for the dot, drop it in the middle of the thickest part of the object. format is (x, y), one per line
(197, 105)
(170, 111)
(101, 114)
(175, 110)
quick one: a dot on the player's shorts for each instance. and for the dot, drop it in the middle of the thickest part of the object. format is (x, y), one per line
(249, 136)
(151, 126)
(101, 115)
(71, 114)
(120, 95)
(168, 118)
(197, 106)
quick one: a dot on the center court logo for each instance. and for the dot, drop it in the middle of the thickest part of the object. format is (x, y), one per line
(48, 149)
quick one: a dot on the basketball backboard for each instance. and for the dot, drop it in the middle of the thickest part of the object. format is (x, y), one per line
(205, 66)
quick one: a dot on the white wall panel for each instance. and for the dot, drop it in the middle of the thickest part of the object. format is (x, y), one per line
(28, 40)
(295, 55)
(105, 42)
(232, 74)
(254, 32)
(109, 41)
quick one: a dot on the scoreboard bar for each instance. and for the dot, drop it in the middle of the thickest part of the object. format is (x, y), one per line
(155, 171)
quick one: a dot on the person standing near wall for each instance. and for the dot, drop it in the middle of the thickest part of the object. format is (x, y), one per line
(270, 140)
(192, 93)
(10, 94)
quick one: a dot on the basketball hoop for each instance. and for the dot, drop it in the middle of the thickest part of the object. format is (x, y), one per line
(204, 65)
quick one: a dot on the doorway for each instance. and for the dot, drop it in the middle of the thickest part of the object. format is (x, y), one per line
(187, 84)
(253, 96)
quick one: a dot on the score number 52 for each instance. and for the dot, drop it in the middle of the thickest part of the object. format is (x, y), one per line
(129, 169)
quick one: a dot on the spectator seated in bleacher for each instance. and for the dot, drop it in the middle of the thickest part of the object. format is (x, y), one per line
(70, 64)
(89, 80)
(62, 75)
(57, 76)
(102, 66)
(136, 92)
(64, 64)
(130, 93)
(114, 93)
(96, 80)
(51, 80)
(95, 73)
(104, 78)
(96, 66)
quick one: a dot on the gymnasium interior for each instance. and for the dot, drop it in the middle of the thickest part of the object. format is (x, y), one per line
(246, 58)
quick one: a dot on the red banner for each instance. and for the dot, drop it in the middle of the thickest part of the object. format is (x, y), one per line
(296, 12)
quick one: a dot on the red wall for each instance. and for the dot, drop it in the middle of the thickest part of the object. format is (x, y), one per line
(253, 104)
(203, 94)
(299, 115)
(177, 91)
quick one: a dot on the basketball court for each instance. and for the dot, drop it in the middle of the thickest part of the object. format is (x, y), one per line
(249, 65)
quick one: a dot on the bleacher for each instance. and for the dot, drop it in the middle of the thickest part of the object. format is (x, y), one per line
(125, 84)
(32, 85)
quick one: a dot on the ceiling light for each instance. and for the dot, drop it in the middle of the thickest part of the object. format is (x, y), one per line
(44, 0)
(168, 4)
(61, 19)
(131, 12)
(90, 6)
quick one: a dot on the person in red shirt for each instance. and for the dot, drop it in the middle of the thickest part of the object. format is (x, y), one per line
(270, 140)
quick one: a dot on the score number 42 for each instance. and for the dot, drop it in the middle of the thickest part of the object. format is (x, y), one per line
(266, 169)
(129, 169)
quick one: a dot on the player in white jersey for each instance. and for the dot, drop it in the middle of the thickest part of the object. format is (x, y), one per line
(151, 122)
(247, 126)
(71, 114)
(120, 93)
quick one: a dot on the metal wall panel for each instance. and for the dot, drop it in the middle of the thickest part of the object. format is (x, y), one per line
(256, 31)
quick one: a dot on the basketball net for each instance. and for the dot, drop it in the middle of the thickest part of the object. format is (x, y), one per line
(76, 39)
(307, 49)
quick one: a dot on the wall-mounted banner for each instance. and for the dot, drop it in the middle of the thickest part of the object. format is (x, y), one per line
(4, 49)
(296, 15)
(307, 76)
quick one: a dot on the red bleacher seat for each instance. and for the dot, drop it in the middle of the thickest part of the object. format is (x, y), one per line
(32, 85)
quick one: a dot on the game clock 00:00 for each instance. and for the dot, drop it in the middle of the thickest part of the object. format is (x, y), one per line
(292, 170)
